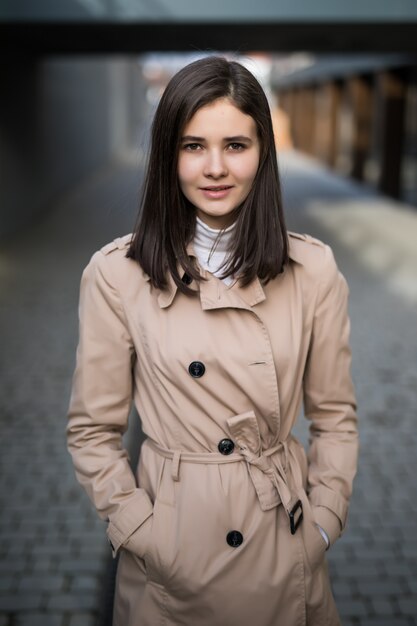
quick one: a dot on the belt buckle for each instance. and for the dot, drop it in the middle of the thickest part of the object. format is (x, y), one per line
(295, 520)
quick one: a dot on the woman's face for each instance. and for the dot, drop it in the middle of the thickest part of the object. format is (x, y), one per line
(218, 161)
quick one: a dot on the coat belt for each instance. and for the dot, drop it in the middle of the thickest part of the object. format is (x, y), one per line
(274, 472)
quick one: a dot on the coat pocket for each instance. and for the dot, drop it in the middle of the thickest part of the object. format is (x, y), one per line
(152, 544)
(314, 544)
(138, 542)
(158, 554)
(160, 543)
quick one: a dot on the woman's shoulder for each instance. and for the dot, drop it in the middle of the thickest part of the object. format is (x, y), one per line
(315, 256)
(111, 261)
(120, 243)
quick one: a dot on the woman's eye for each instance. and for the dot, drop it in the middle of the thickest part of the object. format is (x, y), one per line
(192, 147)
(236, 147)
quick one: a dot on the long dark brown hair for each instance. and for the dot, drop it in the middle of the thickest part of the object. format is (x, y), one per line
(166, 220)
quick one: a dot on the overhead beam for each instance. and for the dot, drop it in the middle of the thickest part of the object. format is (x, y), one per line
(37, 38)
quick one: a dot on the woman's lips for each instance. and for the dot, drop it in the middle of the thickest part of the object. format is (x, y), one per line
(216, 192)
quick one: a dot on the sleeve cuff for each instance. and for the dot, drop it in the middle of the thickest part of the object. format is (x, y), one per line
(128, 519)
(328, 521)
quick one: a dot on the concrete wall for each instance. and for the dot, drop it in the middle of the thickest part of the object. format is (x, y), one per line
(60, 119)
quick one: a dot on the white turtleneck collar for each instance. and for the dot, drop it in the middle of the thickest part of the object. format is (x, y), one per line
(204, 240)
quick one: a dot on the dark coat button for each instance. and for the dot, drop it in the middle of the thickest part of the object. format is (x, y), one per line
(186, 279)
(234, 538)
(196, 369)
(226, 446)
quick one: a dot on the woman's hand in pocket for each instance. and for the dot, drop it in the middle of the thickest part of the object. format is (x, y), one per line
(139, 540)
(315, 545)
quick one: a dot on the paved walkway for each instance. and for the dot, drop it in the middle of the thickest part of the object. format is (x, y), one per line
(53, 553)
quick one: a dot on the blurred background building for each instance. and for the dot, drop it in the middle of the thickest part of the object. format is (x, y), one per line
(343, 74)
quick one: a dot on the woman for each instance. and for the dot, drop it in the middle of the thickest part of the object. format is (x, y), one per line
(219, 324)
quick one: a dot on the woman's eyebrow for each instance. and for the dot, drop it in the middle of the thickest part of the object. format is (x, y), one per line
(229, 139)
(192, 138)
(238, 138)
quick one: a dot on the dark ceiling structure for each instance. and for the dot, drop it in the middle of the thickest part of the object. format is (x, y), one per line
(135, 26)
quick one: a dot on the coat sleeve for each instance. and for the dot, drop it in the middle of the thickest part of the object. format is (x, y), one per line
(329, 402)
(100, 404)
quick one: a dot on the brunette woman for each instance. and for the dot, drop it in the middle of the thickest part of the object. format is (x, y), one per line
(218, 323)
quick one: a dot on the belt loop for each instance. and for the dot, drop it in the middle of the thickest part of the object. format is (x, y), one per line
(175, 468)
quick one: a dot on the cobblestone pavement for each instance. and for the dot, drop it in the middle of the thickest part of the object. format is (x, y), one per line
(374, 565)
(53, 552)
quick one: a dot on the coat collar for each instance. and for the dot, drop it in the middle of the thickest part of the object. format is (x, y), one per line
(166, 296)
(214, 294)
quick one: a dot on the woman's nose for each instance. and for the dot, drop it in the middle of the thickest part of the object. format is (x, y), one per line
(215, 166)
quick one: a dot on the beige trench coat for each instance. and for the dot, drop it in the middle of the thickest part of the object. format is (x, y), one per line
(204, 529)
